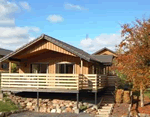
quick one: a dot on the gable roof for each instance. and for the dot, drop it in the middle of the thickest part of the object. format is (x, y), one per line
(4, 52)
(80, 53)
(104, 58)
(102, 50)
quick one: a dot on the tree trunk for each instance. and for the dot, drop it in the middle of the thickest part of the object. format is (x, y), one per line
(142, 97)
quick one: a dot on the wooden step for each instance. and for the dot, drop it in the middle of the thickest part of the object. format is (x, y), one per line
(103, 112)
(102, 115)
(104, 104)
(106, 107)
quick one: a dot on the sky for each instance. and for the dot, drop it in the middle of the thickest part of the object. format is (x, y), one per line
(87, 24)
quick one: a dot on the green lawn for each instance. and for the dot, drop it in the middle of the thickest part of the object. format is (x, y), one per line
(8, 105)
(147, 93)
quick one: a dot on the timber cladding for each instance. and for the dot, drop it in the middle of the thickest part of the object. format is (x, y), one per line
(40, 46)
(105, 52)
(52, 58)
(52, 54)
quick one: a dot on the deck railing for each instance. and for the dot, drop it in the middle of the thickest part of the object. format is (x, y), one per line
(57, 81)
(92, 81)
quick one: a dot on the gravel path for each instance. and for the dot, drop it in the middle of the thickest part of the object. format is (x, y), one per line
(35, 114)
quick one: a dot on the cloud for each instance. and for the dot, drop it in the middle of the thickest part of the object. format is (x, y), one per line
(13, 36)
(7, 8)
(74, 7)
(55, 18)
(25, 5)
(103, 40)
(7, 22)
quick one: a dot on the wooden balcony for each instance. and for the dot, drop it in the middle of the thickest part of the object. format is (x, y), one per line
(52, 82)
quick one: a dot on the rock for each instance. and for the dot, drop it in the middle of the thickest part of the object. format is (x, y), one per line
(93, 112)
(31, 108)
(68, 110)
(85, 104)
(94, 107)
(46, 100)
(51, 107)
(90, 105)
(53, 111)
(89, 110)
(63, 108)
(76, 111)
(2, 114)
(57, 107)
(43, 109)
(59, 110)
(48, 110)
(37, 109)
(29, 104)
(61, 105)
(23, 104)
(54, 101)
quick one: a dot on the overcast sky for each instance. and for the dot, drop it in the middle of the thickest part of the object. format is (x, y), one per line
(68, 20)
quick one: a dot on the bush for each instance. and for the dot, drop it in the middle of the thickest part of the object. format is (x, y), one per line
(126, 97)
(119, 95)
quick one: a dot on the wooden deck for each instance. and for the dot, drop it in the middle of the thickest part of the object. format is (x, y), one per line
(62, 83)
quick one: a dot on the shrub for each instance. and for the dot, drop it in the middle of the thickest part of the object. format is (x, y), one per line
(119, 95)
(126, 97)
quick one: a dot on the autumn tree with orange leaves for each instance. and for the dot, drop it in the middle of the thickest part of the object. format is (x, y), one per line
(133, 59)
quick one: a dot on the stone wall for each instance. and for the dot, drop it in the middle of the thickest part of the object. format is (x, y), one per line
(53, 106)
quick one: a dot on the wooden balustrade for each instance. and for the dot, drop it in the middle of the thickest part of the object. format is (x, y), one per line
(57, 81)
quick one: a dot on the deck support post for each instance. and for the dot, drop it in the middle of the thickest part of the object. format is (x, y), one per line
(37, 108)
(96, 99)
(77, 102)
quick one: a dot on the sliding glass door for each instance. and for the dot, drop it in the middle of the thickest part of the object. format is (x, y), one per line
(39, 68)
(66, 68)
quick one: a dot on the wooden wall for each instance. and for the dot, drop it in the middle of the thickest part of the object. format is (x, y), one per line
(106, 52)
(52, 58)
(39, 46)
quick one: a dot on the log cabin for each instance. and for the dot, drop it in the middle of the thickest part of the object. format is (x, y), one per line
(49, 65)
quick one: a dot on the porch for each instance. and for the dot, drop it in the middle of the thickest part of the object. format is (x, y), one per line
(67, 83)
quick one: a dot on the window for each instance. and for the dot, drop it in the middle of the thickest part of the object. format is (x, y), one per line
(39, 68)
(5, 65)
(65, 68)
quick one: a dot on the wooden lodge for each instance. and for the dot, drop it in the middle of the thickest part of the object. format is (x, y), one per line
(50, 65)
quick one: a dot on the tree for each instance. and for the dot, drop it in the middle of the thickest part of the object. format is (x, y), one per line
(133, 59)
(14, 68)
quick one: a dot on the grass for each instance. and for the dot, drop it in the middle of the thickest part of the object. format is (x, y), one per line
(147, 93)
(7, 105)
(83, 107)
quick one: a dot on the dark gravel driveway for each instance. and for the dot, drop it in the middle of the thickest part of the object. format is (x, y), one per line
(35, 114)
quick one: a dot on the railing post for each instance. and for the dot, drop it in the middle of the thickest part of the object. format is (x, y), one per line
(96, 82)
(1, 79)
(78, 79)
